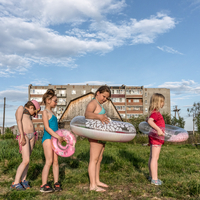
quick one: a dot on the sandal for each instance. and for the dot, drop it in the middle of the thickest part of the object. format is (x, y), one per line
(46, 188)
(17, 186)
(57, 187)
(25, 184)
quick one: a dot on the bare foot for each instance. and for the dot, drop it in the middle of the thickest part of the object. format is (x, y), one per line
(97, 189)
(102, 185)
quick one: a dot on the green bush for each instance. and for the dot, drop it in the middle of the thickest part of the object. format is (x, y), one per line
(8, 134)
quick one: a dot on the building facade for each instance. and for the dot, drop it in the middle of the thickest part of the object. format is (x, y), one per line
(129, 100)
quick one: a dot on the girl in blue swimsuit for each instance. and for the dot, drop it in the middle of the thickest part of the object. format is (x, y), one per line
(95, 110)
(50, 126)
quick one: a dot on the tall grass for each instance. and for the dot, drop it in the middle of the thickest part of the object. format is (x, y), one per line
(124, 167)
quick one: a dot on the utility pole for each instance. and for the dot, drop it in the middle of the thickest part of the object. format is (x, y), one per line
(4, 107)
(176, 110)
(193, 123)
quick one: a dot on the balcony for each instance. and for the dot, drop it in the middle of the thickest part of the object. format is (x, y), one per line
(61, 103)
(134, 96)
(61, 95)
(117, 95)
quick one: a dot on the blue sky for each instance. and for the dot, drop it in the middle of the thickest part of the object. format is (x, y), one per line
(142, 43)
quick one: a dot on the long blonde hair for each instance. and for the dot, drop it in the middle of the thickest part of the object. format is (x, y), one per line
(155, 102)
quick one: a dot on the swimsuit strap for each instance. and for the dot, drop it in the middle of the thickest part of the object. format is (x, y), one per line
(26, 112)
(98, 102)
(49, 111)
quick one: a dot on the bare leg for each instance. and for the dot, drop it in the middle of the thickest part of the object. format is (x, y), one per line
(32, 142)
(154, 162)
(95, 150)
(150, 156)
(48, 152)
(98, 169)
(25, 161)
(55, 167)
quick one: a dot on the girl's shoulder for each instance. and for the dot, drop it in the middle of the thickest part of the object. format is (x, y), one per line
(20, 109)
(93, 102)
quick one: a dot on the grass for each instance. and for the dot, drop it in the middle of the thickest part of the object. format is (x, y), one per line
(124, 167)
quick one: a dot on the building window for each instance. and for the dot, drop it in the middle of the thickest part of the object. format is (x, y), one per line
(145, 109)
(54, 109)
(61, 93)
(39, 116)
(129, 100)
(145, 94)
(73, 91)
(136, 100)
(145, 101)
(42, 126)
(32, 91)
(83, 92)
(136, 108)
(118, 99)
(121, 91)
(93, 90)
(120, 107)
(61, 101)
(37, 91)
(122, 115)
(42, 108)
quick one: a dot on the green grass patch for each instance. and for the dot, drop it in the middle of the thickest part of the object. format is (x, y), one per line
(124, 168)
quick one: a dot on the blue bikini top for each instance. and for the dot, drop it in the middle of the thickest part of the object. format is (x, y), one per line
(102, 108)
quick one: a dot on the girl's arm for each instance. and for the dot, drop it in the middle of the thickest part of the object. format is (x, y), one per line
(89, 113)
(19, 116)
(154, 126)
(47, 128)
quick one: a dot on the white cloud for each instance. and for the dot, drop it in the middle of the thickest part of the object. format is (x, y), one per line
(169, 50)
(149, 85)
(91, 83)
(28, 34)
(187, 106)
(14, 95)
(40, 82)
(60, 11)
(182, 87)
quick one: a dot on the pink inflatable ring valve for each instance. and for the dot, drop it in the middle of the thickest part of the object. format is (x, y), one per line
(69, 148)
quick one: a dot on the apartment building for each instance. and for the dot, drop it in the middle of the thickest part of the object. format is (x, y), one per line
(129, 100)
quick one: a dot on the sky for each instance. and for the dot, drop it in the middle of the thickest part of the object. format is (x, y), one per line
(146, 43)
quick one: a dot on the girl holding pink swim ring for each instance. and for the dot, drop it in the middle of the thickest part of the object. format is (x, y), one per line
(50, 126)
(95, 110)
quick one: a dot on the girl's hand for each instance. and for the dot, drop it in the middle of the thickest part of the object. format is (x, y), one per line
(160, 133)
(23, 141)
(104, 119)
(60, 139)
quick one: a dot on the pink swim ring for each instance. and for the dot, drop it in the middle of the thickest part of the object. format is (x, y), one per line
(69, 148)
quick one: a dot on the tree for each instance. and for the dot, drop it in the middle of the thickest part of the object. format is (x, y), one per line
(195, 113)
(178, 122)
(167, 118)
(136, 121)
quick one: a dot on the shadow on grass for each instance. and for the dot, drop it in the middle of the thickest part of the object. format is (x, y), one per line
(86, 157)
(137, 161)
(34, 171)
